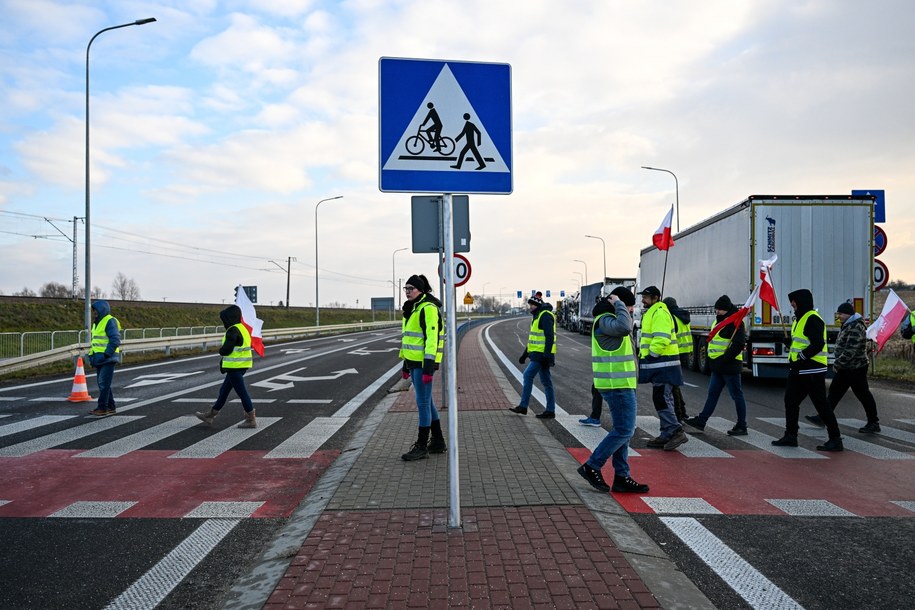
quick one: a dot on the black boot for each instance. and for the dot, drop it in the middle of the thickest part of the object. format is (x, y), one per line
(788, 440)
(419, 450)
(437, 443)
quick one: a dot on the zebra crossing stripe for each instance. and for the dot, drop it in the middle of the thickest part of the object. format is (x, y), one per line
(764, 441)
(744, 579)
(906, 504)
(224, 510)
(853, 444)
(895, 433)
(65, 436)
(309, 401)
(810, 508)
(694, 448)
(84, 510)
(589, 436)
(680, 506)
(309, 439)
(30, 424)
(224, 440)
(151, 588)
(259, 401)
(125, 445)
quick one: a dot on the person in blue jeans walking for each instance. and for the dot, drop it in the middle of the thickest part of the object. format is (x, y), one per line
(541, 349)
(236, 357)
(421, 350)
(613, 366)
(725, 352)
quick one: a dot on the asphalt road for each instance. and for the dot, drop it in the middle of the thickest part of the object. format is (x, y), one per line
(220, 494)
(804, 530)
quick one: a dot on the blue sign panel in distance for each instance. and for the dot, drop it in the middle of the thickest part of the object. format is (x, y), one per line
(444, 126)
(879, 202)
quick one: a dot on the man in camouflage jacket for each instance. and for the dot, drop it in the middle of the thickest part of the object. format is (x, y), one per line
(850, 367)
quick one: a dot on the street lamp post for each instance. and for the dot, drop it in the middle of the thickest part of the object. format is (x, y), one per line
(88, 224)
(575, 260)
(317, 302)
(395, 302)
(604, 244)
(676, 186)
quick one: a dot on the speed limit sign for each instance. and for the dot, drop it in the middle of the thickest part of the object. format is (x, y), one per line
(461, 270)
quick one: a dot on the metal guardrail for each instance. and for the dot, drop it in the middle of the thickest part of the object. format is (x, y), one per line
(166, 343)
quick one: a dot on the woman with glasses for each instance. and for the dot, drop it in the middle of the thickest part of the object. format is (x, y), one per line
(421, 351)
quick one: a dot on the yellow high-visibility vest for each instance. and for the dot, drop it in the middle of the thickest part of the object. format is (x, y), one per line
(242, 356)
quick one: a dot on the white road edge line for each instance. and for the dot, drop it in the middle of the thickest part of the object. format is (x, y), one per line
(744, 579)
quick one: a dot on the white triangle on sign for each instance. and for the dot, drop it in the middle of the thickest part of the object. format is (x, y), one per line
(414, 149)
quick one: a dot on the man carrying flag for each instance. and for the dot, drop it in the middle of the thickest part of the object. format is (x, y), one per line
(236, 353)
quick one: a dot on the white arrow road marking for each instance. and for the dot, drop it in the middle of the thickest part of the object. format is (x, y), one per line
(296, 351)
(157, 378)
(361, 351)
(345, 340)
(291, 378)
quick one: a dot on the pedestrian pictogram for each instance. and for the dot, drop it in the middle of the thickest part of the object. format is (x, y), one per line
(445, 126)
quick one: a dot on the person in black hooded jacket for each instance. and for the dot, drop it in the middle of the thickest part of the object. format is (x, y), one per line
(807, 372)
(236, 357)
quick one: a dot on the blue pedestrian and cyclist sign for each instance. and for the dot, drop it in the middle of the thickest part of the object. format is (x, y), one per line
(444, 126)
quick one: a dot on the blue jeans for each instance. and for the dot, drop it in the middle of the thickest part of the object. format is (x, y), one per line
(234, 380)
(662, 395)
(616, 443)
(717, 383)
(533, 368)
(103, 376)
(424, 403)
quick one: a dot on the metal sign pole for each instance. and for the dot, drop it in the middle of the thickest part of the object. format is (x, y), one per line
(454, 488)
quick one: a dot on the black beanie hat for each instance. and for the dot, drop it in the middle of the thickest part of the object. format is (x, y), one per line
(625, 295)
(420, 282)
(846, 308)
(724, 302)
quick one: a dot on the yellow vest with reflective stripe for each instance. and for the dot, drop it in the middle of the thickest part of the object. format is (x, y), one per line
(912, 324)
(718, 345)
(536, 339)
(658, 328)
(100, 337)
(684, 336)
(612, 370)
(242, 356)
(417, 344)
(800, 342)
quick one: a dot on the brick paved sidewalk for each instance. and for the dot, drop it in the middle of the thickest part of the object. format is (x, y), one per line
(527, 539)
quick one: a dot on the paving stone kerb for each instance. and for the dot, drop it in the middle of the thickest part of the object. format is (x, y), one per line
(527, 538)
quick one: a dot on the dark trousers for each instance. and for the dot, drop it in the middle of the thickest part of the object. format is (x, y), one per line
(856, 379)
(597, 402)
(234, 380)
(104, 375)
(800, 387)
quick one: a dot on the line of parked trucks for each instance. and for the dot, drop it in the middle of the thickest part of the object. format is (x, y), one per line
(823, 242)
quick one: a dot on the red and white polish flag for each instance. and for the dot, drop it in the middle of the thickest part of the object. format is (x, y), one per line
(662, 238)
(894, 312)
(767, 290)
(249, 318)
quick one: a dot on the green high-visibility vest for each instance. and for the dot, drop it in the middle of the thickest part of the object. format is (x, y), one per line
(536, 339)
(417, 345)
(100, 337)
(684, 336)
(718, 345)
(612, 370)
(800, 342)
(658, 329)
(912, 324)
(242, 356)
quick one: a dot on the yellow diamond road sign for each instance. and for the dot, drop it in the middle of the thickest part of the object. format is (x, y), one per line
(468, 299)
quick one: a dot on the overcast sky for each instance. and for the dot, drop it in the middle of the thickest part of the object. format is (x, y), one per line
(217, 129)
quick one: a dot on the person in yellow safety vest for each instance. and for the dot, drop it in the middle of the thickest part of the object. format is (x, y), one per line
(659, 364)
(237, 357)
(541, 349)
(685, 345)
(907, 330)
(807, 365)
(421, 352)
(104, 355)
(615, 376)
(725, 352)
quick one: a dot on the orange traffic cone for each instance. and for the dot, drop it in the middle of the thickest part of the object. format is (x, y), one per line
(80, 392)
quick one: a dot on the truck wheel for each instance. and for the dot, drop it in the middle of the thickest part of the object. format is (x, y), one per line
(704, 360)
(692, 359)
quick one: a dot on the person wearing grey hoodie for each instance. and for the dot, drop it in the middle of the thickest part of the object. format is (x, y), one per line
(850, 368)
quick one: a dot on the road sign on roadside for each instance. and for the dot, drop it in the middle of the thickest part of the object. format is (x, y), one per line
(879, 202)
(879, 240)
(426, 223)
(444, 126)
(461, 270)
(881, 275)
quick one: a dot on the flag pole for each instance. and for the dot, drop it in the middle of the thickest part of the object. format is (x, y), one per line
(664, 274)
